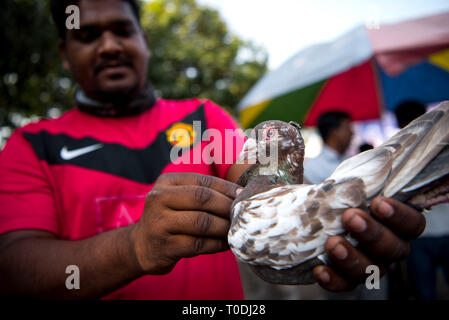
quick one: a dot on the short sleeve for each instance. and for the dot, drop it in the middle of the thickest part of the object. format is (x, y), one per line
(228, 138)
(26, 197)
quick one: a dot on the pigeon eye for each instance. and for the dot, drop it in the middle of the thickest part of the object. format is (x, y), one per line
(270, 133)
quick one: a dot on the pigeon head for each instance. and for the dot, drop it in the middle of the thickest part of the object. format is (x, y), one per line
(275, 148)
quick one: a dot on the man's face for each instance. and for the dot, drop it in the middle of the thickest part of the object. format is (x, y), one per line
(108, 55)
(344, 134)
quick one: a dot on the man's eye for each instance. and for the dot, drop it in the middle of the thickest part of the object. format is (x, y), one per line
(86, 36)
(124, 31)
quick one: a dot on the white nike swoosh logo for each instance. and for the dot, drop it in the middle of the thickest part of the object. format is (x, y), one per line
(70, 154)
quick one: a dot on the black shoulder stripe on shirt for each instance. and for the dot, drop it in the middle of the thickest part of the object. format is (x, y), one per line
(140, 165)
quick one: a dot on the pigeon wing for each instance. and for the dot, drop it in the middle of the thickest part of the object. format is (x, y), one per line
(289, 225)
(428, 135)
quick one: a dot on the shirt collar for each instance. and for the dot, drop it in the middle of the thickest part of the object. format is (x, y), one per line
(142, 102)
(331, 154)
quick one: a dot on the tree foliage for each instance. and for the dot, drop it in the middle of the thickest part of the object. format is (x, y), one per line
(193, 54)
(31, 76)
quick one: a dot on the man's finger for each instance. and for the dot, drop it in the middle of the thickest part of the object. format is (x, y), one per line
(376, 239)
(184, 246)
(199, 223)
(195, 179)
(195, 198)
(399, 217)
(347, 259)
(330, 280)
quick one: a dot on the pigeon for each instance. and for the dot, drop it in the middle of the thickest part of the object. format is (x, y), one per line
(279, 225)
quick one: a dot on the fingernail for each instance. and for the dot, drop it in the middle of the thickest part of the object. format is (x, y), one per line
(238, 191)
(324, 277)
(357, 224)
(385, 209)
(340, 252)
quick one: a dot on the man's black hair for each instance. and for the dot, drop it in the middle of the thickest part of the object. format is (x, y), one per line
(329, 121)
(408, 111)
(365, 147)
(59, 15)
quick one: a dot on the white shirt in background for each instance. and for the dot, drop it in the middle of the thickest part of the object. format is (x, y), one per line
(318, 169)
(437, 221)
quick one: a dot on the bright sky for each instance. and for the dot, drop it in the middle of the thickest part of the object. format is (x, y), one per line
(284, 27)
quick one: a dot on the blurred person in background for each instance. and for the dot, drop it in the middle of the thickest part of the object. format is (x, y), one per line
(408, 111)
(430, 251)
(336, 132)
(365, 147)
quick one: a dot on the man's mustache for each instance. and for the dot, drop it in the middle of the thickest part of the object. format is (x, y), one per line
(111, 63)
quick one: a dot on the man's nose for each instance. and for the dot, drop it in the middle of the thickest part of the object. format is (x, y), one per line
(109, 44)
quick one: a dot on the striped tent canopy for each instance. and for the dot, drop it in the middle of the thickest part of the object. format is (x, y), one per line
(362, 72)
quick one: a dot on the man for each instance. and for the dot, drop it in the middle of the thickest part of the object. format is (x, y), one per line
(73, 189)
(335, 130)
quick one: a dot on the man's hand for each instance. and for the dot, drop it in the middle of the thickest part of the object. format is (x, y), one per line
(185, 215)
(383, 238)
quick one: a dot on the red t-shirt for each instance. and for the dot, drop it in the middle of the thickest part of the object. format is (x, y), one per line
(79, 175)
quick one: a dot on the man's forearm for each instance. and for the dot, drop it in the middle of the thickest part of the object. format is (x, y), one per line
(36, 266)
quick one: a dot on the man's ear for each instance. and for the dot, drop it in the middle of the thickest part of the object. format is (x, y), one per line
(63, 53)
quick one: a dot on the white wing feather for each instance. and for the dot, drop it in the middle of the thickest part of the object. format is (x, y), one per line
(281, 227)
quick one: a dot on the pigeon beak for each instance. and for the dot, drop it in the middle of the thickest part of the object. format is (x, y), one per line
(249, 152)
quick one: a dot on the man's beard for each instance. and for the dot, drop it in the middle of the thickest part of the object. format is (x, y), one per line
(117, 104)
